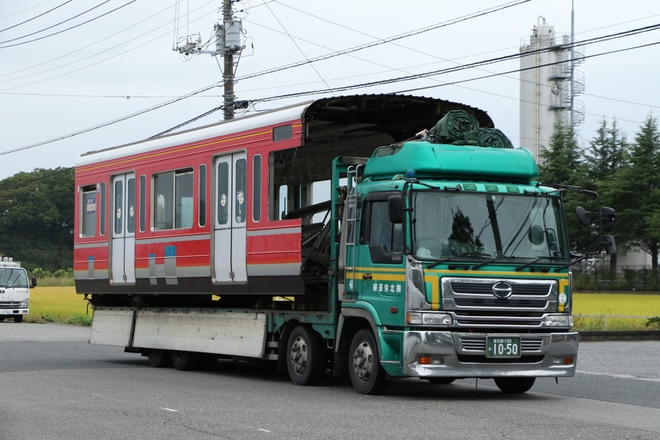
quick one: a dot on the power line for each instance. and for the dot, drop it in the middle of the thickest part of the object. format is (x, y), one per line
(35, 17)
(390, 39)
(376, 83)
(64, 30)
(114, 121)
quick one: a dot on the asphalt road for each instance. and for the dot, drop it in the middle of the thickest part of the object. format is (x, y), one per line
(53, 385)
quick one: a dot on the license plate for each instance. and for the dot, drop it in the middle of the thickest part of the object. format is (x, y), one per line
(502, 347)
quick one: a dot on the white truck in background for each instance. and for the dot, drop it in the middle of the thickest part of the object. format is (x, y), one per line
(14, 290)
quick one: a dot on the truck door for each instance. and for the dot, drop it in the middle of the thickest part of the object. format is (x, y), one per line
(123, 229)
(229, 242)
(381, 274)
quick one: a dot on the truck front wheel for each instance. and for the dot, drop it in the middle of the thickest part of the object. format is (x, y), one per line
(367, 375)
(306, 361)
(18, 318)
(514, 385)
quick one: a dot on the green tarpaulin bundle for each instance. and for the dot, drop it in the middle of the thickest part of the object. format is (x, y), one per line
(455, 126)
(492, 137)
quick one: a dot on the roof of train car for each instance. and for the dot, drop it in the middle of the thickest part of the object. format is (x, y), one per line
(348, 116)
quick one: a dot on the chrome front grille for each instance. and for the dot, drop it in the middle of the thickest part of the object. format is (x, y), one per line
(498, 303)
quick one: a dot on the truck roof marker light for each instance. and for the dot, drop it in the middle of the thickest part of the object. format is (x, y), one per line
(492, 188)
(470, 186)
(512, 189)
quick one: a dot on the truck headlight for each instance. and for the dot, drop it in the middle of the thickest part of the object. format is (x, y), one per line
(558, 320)
(426, 318)
(24, 304)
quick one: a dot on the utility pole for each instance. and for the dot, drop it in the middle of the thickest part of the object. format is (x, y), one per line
(227, 44)
(228, 71)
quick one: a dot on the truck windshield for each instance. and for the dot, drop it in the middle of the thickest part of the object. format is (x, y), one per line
(13, 277)
(478, 225)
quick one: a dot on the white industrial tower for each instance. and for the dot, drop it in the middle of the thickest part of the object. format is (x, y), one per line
(549, 84)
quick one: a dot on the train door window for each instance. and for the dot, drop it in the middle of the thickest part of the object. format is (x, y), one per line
(130, 196)
(223, 191)
(256, 188)
(240, 180)
(119, 203)
(143, 203)
(90, 208)
(202, 195)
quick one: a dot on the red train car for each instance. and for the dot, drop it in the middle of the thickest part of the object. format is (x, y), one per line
(227, 210)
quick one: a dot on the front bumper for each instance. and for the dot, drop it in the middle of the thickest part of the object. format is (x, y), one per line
(459, 355)
(11, 312)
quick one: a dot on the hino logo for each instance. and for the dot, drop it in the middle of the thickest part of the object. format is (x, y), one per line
(502, 290)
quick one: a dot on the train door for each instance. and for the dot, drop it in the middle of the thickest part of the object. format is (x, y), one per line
(230, 215)
(123, 229)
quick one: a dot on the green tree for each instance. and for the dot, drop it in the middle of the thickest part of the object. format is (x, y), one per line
(562, 163)
(605, 155)
(635, 192)
(36, 218)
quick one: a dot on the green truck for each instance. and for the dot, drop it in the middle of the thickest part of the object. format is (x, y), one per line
(438, 255)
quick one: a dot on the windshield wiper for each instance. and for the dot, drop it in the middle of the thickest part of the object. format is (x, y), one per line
(533, 262)
(463, 255)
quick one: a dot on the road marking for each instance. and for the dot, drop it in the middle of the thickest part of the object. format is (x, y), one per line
(170, 409)
(619, 376)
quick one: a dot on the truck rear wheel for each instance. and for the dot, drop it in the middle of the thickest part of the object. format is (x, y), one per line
(306, 361)
(367, 375)
(159, 358)
(184, 360)
(514, 385)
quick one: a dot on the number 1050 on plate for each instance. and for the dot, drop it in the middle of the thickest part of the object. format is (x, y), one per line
(502, 347)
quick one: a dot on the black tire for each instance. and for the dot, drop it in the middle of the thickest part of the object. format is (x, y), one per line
(514, 385)
(184, 360)
(440, 380)
(367, 375)
(159, 358)
(18, 318)
(306, 360)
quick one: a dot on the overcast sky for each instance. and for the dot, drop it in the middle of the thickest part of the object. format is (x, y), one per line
(56, 81)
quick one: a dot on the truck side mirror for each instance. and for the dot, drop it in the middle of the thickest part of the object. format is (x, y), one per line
(395, 208)
(583, 216)
(608, 244)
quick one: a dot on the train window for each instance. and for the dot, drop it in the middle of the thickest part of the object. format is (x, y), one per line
(240, 180)
(143, 203)
(256, 188)
(173, 200)
(202, 195)
(282, 133)
(89, 206)
(102, 209)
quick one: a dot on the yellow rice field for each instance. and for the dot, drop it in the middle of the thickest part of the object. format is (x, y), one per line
(615, 311)
(58, 304)
(592, 311)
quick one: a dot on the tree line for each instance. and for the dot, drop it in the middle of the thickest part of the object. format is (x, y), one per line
(624, 173)
(37, 208)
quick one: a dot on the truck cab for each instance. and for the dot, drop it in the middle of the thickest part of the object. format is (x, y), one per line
(14, 290)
